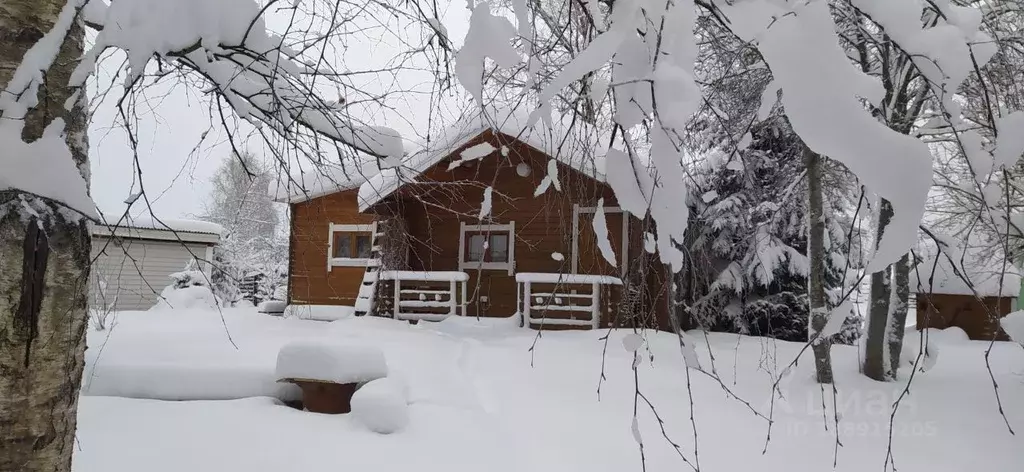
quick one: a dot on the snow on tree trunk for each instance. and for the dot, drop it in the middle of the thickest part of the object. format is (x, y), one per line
(887, 312)
(822, 348)
(44, 266)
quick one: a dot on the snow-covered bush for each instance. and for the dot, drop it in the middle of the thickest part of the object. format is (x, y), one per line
(100, 314)
(189, 278)
(189, 289)
(381, 405)
(187, 298)
(330, 362)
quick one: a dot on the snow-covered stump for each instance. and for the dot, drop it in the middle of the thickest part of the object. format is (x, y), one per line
(329, 374)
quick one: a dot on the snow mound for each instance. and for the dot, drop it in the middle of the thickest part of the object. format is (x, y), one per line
(320, 312)
(187, 298)
(912, 347)
(381, 406)
(177, 381)
(274, 307)
(468, 324)
(951, 335)
(340, 363)
(1013, 324)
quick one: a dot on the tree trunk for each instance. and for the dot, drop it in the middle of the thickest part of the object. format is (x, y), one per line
(898, 312)
(44, 268)
(875, 360)
(887, 312)
(819, 311)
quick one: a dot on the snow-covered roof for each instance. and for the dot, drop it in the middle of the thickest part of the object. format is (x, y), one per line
(985, 275)
(109, 224)
(575, 144)
(322, 180)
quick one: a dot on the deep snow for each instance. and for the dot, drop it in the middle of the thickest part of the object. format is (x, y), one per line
(481, 399)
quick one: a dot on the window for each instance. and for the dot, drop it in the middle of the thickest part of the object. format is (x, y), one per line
(350, 245)
(484, 247)
(487, 247)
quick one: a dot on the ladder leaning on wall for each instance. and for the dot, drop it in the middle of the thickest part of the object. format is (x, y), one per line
(366, 298)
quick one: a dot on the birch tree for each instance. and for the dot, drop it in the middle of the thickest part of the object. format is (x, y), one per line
(44, 248)
(819, 311)
(273, 82)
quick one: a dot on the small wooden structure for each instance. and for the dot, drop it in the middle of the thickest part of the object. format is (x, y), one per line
(415, 243)
(978, 318)
(944, 300)
(325, 397)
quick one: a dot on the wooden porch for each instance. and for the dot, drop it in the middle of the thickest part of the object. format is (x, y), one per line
(542, 299)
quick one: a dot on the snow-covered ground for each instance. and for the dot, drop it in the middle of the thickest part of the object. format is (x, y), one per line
(482, 400)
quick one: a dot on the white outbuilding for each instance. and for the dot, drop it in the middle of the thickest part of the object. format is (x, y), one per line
(133, 259)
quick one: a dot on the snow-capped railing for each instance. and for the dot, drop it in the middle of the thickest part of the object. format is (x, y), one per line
(562, 297)
(429, 294)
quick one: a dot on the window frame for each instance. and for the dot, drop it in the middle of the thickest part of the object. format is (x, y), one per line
(489, 230)
(354, 229)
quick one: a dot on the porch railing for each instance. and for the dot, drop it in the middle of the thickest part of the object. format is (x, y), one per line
(429, 296)
(558, 300)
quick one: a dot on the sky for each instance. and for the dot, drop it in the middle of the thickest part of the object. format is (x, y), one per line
(176, 160)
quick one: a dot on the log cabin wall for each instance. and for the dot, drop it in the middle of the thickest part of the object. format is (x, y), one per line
(965, 312)
(309, 280)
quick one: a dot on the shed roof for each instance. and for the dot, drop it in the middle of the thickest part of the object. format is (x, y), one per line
(145, 227)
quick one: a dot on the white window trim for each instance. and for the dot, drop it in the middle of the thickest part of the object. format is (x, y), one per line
(469, 265)
(333, 262)
(580, 210)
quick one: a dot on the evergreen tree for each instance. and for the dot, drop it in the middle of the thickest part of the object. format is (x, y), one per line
(751, 235)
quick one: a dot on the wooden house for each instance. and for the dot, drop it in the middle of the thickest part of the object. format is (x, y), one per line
(490, 221)
(945, 300)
